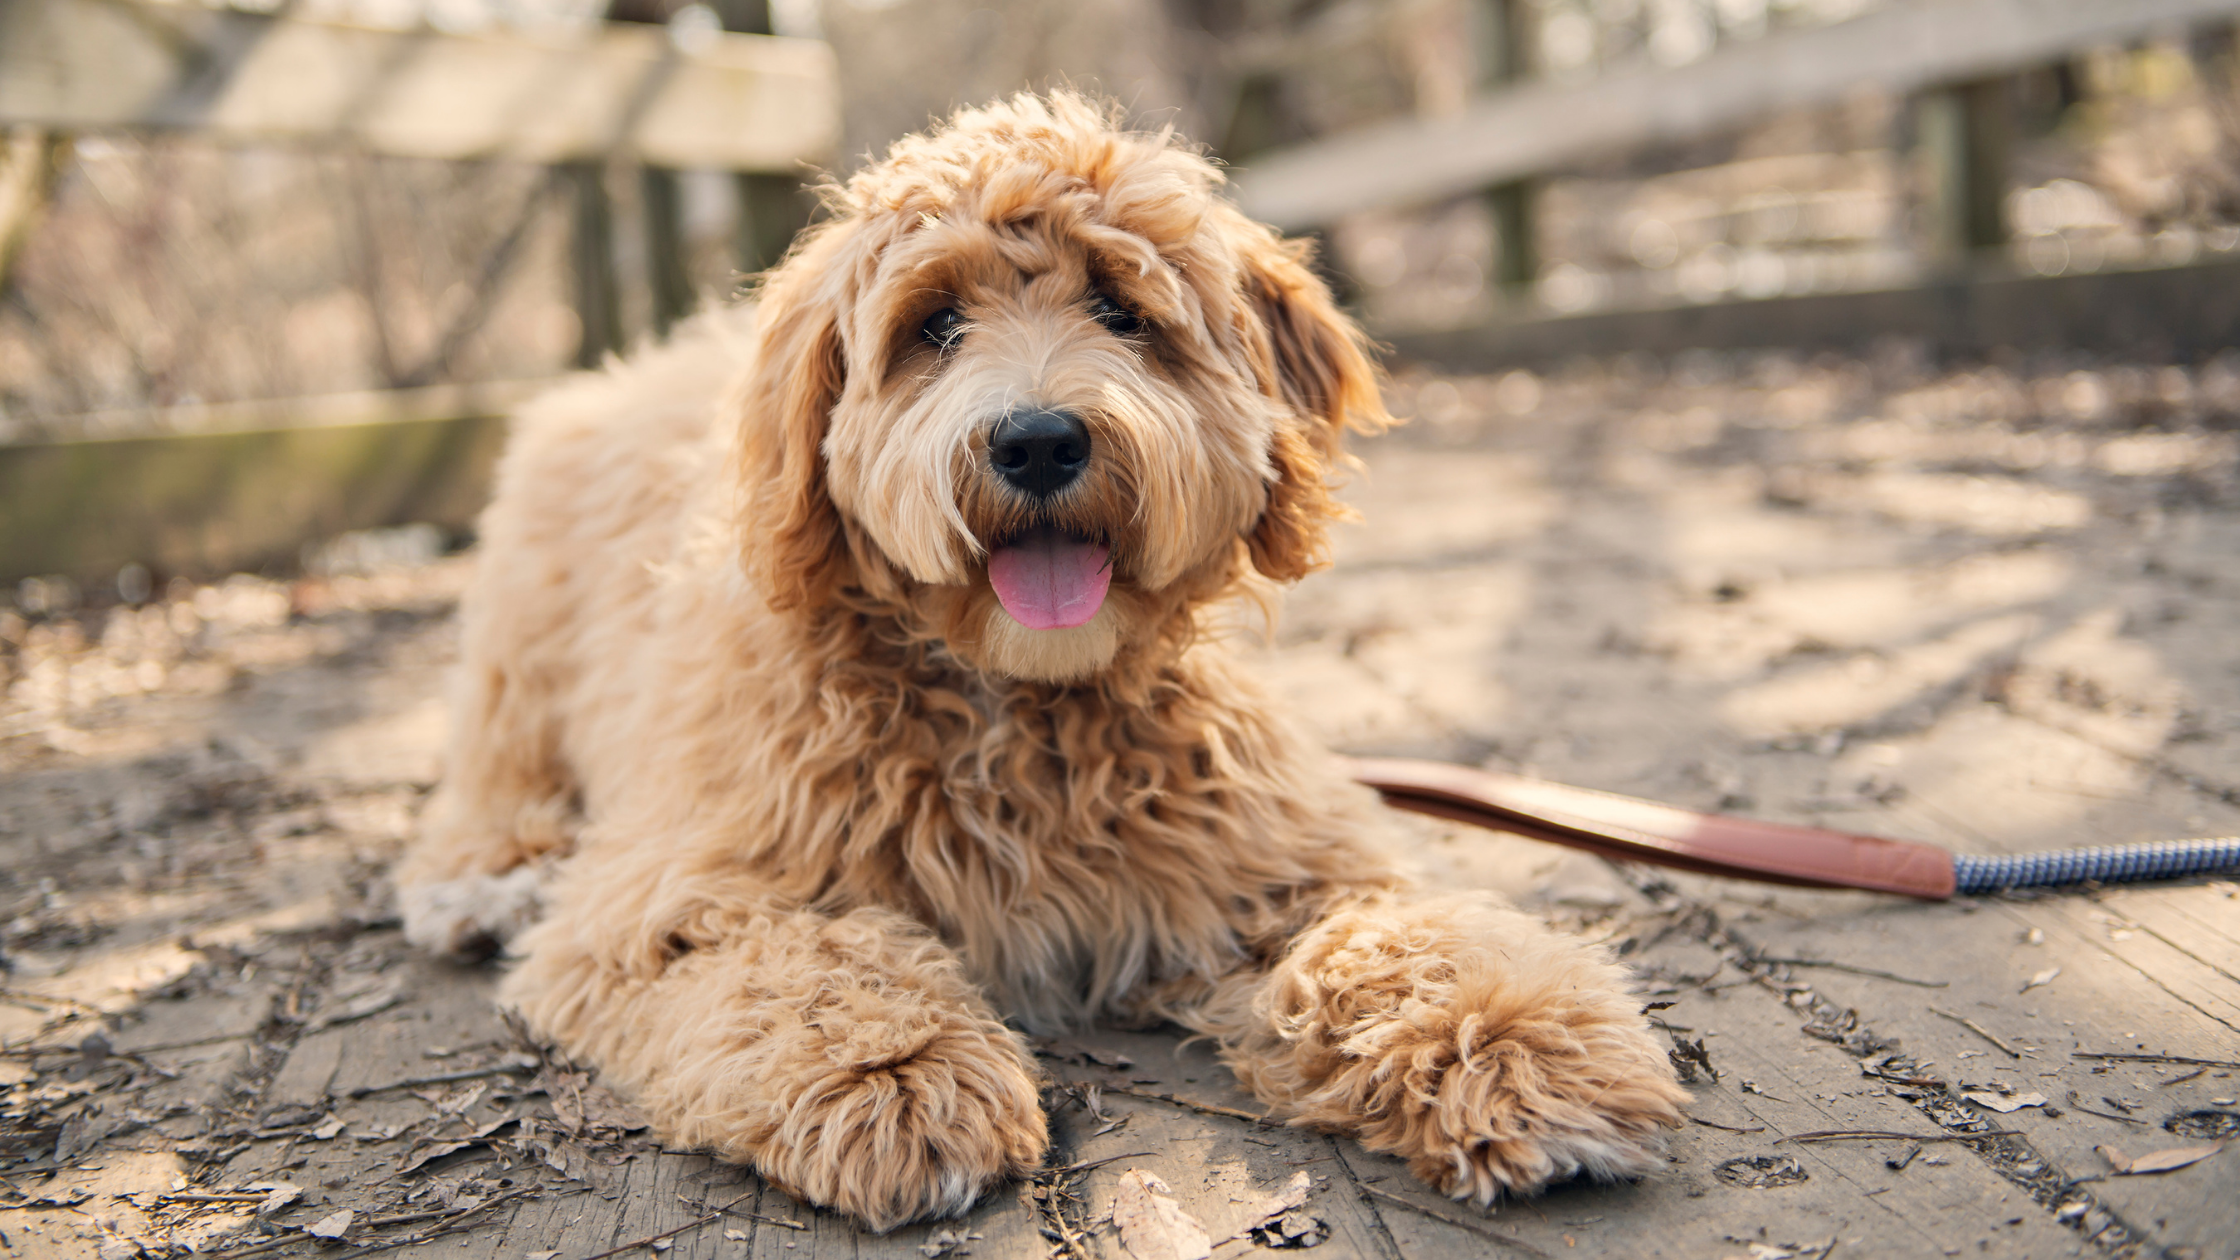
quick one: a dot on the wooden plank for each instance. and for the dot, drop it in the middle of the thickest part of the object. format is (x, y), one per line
(1543, 127)
(738, 102)
(2099, 1002)
(210, 503)
(2163, 313)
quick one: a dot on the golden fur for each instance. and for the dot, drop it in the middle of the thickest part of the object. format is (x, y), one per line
(819, 825)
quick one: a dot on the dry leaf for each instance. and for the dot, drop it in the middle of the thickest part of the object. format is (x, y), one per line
(495, 1125)
(328, 1128)
(1293, 1195)
(735, 1235)
(2164, 1160)
(277, 1195)
(1152, 1225)
(377, 996)
(420, 1158)
(457, 1102)
(2042, 978)
(334, 1226)
(2003, 1102)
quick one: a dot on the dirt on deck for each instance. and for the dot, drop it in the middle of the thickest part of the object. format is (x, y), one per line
(1990, 608)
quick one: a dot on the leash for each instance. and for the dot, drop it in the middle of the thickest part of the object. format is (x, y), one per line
(1778, 853)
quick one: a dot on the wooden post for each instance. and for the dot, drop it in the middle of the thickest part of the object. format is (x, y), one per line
(1500, 39)
(663, 209)
(771, 208)
(591, 253)
(1962, 139)
(30, 157)
(1255, 118)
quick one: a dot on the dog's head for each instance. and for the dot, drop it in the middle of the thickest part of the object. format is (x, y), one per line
(1036, 387)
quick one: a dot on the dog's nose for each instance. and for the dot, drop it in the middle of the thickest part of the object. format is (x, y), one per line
(1040, 452)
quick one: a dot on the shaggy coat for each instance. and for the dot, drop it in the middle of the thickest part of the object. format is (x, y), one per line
(792, 822)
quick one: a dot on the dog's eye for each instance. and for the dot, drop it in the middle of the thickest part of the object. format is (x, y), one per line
(1117, 319)
(944, 327)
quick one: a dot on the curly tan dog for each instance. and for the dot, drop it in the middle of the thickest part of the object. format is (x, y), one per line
(840, 678)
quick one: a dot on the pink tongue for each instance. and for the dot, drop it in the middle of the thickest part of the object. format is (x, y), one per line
(1048, 581)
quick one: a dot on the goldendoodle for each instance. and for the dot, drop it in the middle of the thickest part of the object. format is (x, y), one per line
(837, 702)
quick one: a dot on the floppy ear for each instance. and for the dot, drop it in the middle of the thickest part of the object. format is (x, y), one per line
(790, 532)
(1317, 363)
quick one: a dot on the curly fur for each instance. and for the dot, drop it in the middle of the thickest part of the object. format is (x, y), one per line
(809, 817)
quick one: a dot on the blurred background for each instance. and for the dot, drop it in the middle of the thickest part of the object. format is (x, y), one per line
(335, 239)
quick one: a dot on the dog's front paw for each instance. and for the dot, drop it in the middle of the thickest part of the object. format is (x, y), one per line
(889, 1111)
(1486, 1097)
(472, 916)
(1490, 1054)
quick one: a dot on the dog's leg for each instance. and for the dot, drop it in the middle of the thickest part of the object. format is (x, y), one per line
(845, 1057)
(469, 881)
(1489, 1052)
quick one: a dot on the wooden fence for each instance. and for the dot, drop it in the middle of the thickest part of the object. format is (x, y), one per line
(1519, 130)
(246, 485)
(752, 104)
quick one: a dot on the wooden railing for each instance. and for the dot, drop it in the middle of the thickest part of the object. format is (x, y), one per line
(1521, 129)
(206, 489)
(753, 104)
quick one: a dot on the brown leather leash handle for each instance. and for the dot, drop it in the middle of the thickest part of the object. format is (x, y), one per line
(1644, 831)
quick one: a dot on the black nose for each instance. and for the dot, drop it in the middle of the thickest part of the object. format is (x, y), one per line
(1040, 452)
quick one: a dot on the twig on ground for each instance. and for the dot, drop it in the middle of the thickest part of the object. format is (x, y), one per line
(1210, 1109)
(779, 1221)
(1979, 1030)
(1865, 1135)
(1713, 1124)
(1861, 971)
(2155, 1058)
(2074, 1105)
(441, 1078)
(1482, 1230)
(49, 999)
(1048, 1192)
(1087, 1164)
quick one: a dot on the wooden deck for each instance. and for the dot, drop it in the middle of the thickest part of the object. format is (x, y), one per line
(1836, 594)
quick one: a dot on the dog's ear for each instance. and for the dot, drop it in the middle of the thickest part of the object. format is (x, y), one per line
(1317, 362)
(790, 532)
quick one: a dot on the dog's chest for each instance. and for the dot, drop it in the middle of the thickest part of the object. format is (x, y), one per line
(1065, 889)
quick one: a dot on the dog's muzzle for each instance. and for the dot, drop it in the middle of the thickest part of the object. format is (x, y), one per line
(1039, 452)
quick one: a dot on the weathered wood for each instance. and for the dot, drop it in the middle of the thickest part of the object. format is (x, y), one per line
(1543, 127)
(662, 208)
(596, 289)
(2172, 312)
(1963, 140)
(772, 209)
(736, 102)
(28, 158)
(1501, 40)
(247, 497)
